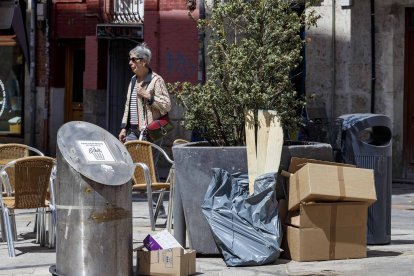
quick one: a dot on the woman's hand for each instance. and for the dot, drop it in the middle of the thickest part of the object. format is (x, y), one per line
(144, 93)
(122, 135)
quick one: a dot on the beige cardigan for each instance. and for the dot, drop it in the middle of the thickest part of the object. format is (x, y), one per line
(155, 85)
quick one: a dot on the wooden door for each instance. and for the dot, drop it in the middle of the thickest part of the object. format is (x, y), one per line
(75, 67)
(409, 95)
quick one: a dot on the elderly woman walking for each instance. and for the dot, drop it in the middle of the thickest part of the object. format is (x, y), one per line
(147, 100)
(147, 97)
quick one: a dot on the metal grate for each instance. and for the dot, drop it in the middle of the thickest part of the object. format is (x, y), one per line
(125, 11)
(379, 213)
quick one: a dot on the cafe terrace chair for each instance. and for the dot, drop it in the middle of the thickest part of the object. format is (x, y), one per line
(33, 177)
(10, 152)
(145, 180)
(15, 150)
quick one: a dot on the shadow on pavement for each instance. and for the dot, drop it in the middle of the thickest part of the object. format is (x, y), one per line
(382, 253)
(402, 242)
(28, 235)
(24, 266)
(32, 249)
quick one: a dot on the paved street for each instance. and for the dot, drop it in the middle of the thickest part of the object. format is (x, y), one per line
(394, 259)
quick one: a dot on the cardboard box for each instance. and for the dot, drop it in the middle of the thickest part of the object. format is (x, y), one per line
(318, 181)
(172, 261)
(326, 231)
(297, 163)
(160, 240)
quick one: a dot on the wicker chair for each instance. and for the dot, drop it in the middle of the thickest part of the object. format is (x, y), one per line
(145, 180)
(10, 152)
(33, 177)
(14, 151)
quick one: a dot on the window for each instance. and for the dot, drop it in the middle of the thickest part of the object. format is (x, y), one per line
(11, 86)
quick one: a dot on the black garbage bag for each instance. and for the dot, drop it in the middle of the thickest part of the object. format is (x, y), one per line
(246, 229)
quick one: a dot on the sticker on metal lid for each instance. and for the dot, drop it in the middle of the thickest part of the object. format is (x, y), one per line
(96, 151)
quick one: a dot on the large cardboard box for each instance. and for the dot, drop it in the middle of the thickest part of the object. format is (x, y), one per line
(172, 261)
(297, 163)
(318, 181)
(326, 231)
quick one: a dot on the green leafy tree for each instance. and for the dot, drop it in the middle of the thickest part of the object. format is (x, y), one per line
(253, 48)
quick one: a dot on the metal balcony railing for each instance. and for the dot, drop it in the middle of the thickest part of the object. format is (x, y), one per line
(124, 11)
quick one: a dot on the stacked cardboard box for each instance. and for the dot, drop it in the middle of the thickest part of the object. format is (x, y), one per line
(327, 210)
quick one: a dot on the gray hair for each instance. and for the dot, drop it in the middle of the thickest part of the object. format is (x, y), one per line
(142, 51)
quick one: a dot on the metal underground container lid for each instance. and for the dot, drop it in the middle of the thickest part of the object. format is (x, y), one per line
(95, 153)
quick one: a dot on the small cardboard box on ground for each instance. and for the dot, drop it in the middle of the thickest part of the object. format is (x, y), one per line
(172, 261)
(326, 231)
(163, 255)
(319, 181)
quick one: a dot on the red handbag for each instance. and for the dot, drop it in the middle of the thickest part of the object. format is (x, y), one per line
(159, 128)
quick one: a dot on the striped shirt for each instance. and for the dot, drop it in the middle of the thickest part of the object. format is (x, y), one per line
(133, 120)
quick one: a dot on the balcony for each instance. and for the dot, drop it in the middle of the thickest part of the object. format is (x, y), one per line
(124, 11)
(123, 19)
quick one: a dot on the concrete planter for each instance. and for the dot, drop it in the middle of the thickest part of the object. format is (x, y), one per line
(193, 163)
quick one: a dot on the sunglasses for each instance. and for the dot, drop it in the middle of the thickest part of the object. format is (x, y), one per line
(134, 59)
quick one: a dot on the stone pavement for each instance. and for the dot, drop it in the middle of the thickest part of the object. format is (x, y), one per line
(394, 259)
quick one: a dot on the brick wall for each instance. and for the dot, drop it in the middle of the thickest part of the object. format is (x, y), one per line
(95, 63)
(168, 30)
(172, 36)
(75, 20)
(165, 5)
(90, 77)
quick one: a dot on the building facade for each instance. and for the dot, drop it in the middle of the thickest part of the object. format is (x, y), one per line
(81, 62)
(95, 37)
(360, 59)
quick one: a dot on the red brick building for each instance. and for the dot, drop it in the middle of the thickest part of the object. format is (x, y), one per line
(82, 70)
